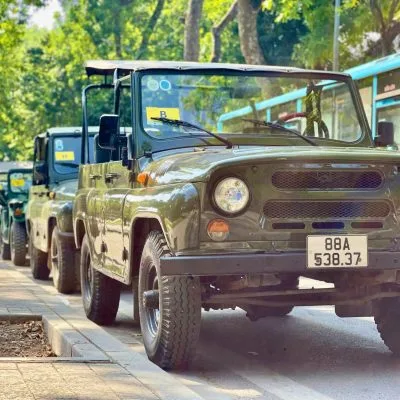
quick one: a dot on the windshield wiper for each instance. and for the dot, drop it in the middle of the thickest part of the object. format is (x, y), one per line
(279, 128)
(179, 122)
(67, 163)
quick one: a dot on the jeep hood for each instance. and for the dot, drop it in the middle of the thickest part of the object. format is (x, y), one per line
(198, 165)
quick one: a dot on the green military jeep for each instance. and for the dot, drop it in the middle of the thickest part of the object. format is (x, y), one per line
(13, 240)
(57, 155)
(218, 186)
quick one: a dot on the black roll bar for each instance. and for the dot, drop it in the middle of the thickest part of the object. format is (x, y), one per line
(85, 127)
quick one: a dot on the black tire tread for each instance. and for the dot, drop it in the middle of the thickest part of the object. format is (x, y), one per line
(104, 303)
(387, 321)
(181, 302)
(275, 311)
(5, 250)
(38, 261)
(18, 255)
(67, 280)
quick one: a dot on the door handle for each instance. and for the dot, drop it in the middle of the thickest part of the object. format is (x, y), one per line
(111, 176)
(94, 177)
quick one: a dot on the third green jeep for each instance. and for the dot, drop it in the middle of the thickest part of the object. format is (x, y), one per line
(14, 199)
(218, 186)
(57, 155)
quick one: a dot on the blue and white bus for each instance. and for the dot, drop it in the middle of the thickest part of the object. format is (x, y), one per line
(379, 85)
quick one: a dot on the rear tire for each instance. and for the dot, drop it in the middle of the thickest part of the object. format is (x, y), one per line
(38, 261)
(135, 293)
(62, 261)
(387, 321)
(254, 313)
(4, 250)
(100, 294)
(171, 331)
(18, 242)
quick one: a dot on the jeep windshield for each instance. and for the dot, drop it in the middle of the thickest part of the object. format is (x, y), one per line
(235, 105)
(67, 153)
(20, 182)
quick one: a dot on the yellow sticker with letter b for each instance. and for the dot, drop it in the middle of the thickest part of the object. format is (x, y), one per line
(65, 156)
(161, 112)
(17, 182)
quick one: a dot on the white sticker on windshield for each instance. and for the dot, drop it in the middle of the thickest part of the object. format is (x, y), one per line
(59, 145)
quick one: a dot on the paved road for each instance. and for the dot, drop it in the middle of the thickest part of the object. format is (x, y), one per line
(311, 354)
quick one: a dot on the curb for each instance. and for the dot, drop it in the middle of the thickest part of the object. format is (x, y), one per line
(72, 335)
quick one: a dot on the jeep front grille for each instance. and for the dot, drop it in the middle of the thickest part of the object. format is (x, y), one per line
(296, 209)
(327, 180)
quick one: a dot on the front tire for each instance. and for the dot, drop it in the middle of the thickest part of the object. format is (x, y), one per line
(62, 261)
(171, 329)
(387, 320)
(38, 261)
(100, 294)
(18, 242)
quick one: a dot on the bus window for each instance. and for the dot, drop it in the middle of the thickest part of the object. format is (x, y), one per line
(365, 88)
(388, 83)
(338, 113)
(391, 114)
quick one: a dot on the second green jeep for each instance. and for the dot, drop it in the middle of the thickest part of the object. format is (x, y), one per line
(57, 155)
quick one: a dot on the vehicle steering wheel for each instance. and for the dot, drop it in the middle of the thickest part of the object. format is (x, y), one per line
(290, 116)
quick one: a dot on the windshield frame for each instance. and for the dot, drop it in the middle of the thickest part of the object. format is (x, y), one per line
(145, 143)
(18, 170)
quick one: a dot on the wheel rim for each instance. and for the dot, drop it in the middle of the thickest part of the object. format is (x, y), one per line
(88, 279)
(152, 314)
(54, 261)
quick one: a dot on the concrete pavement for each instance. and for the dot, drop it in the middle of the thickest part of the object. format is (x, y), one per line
(93, 363)
(309, 355)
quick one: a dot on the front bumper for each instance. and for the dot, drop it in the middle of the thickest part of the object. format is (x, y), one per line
(240, 264)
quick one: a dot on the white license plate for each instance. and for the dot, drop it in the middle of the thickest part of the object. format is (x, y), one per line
(337, 251)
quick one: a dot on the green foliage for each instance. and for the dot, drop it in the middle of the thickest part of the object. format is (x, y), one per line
(42, 75)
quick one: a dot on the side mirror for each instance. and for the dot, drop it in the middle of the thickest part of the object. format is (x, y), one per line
(109, 131)
(39, 173)
(385, 134)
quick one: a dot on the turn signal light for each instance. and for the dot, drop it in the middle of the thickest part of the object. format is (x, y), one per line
(218, 230)
(143, 178)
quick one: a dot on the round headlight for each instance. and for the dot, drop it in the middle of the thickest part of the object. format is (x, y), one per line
(231, 195)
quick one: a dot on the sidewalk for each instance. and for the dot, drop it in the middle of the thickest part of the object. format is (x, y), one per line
(92, 363)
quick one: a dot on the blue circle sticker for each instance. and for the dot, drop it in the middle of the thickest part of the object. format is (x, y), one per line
(165, 85)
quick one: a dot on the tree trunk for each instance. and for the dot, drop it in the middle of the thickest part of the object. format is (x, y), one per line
(146, 34)
(118, 32)
(191, 48)
(249, 45)
(389, 28)
(217, 30)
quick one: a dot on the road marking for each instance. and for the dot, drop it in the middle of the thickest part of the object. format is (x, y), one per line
(265, 378)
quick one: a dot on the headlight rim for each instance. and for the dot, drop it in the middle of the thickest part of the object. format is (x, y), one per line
(221, 211)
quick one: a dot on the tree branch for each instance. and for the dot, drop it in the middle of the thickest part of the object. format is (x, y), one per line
(149, 28)
(217, 30)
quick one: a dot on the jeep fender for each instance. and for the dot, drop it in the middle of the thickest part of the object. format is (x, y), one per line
(175, 209)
